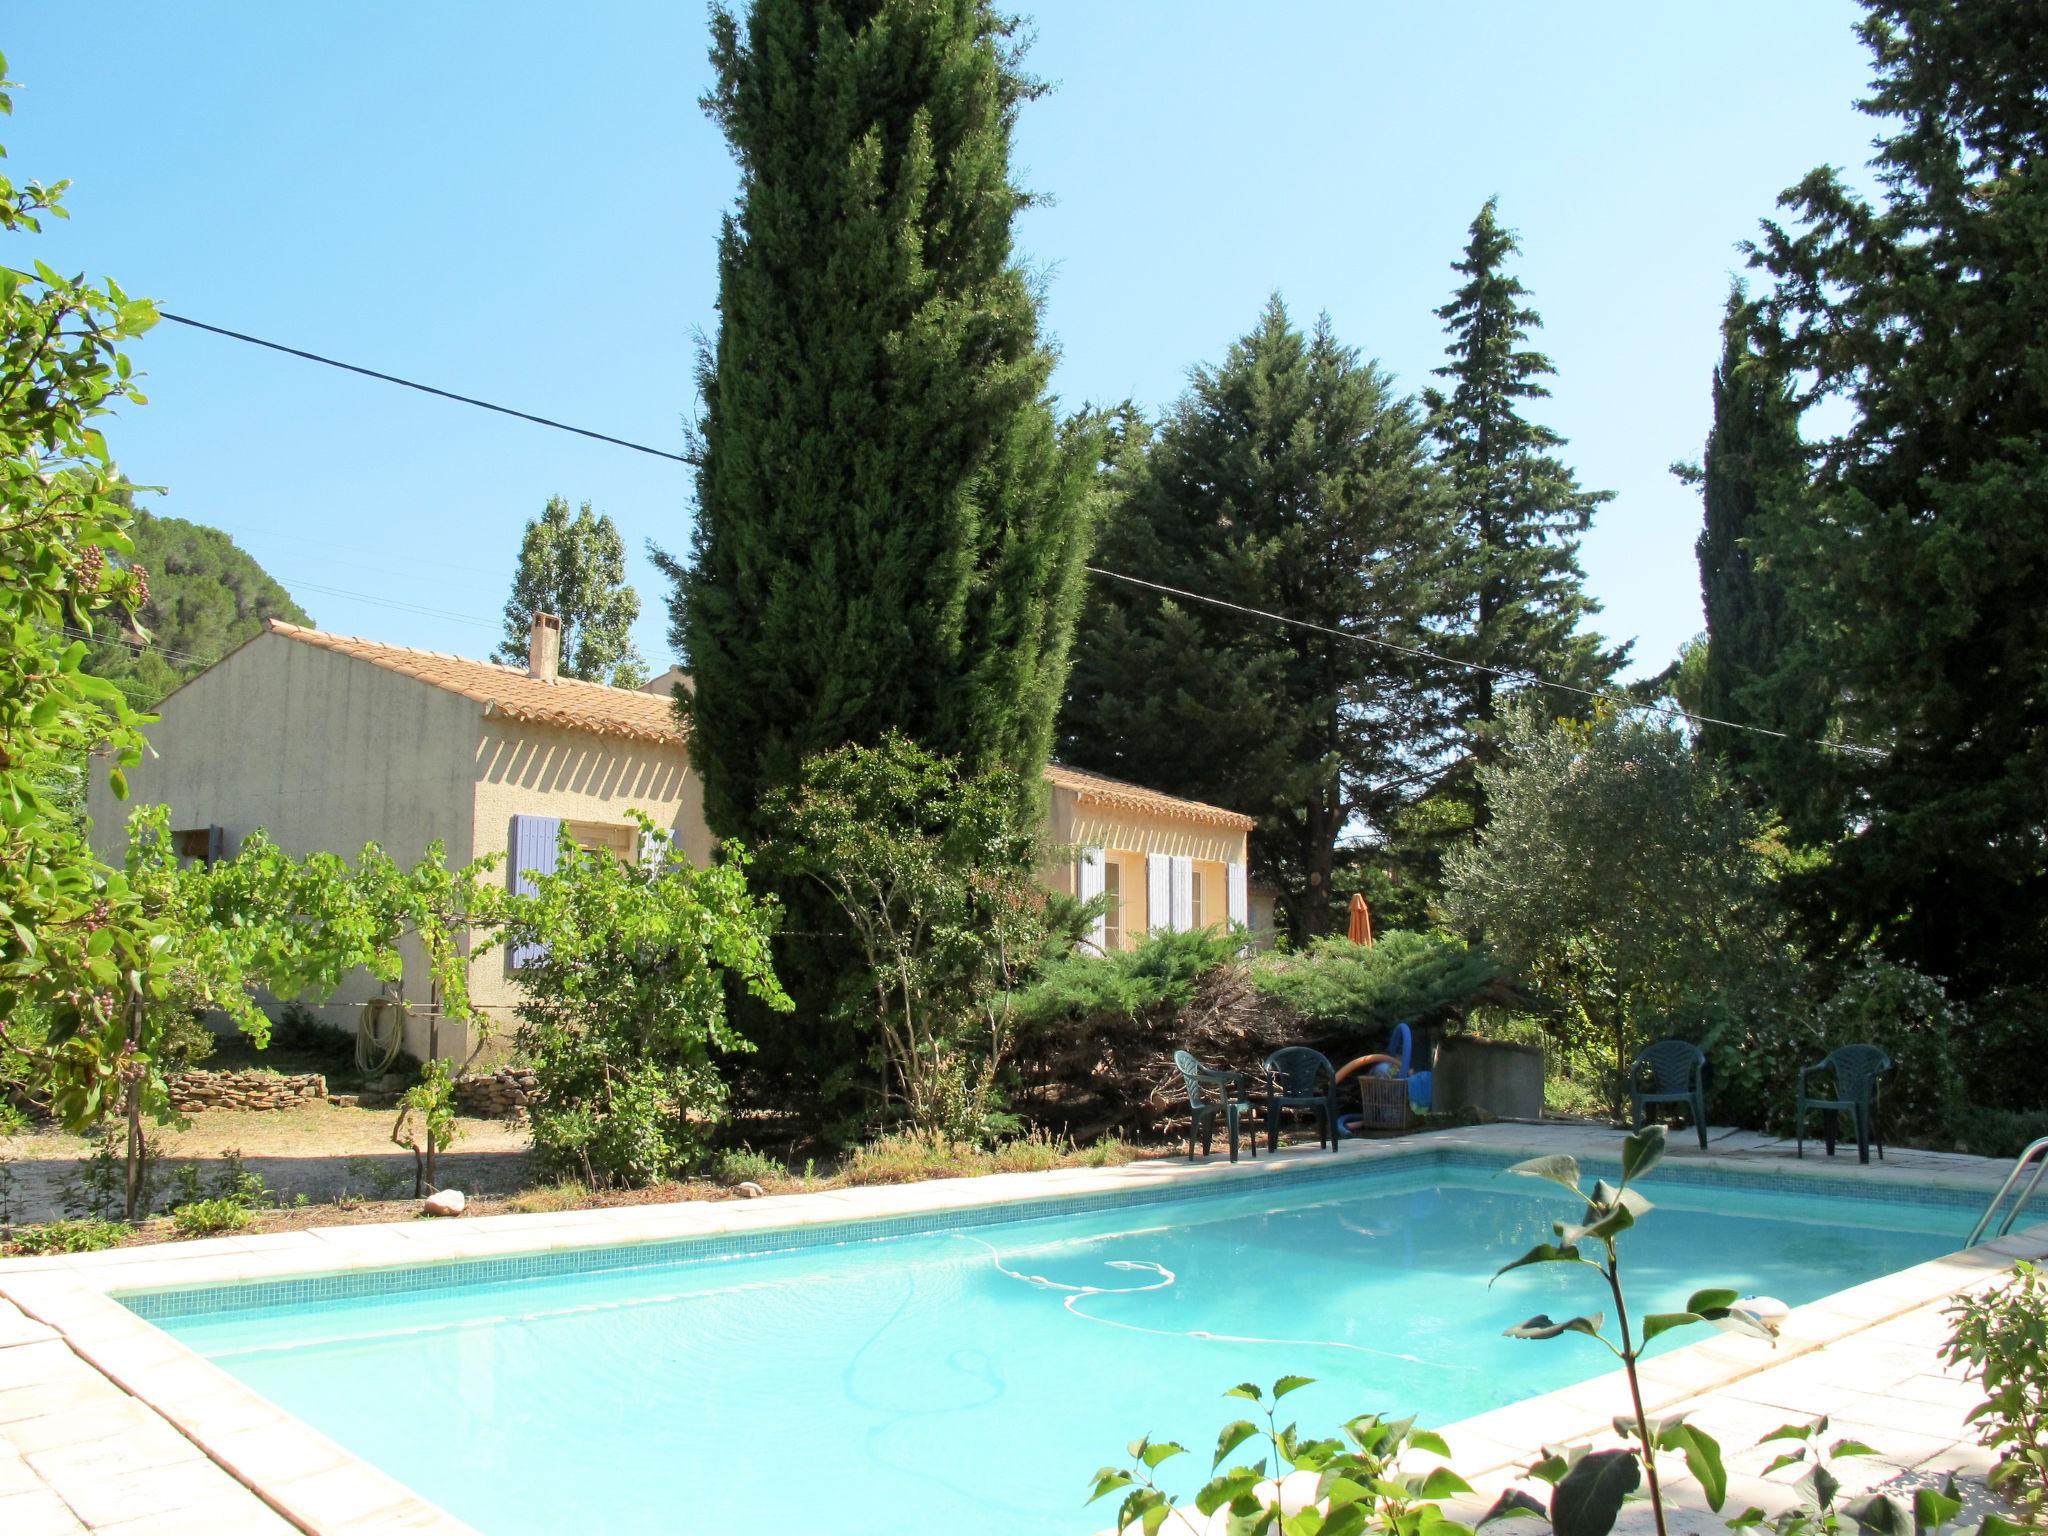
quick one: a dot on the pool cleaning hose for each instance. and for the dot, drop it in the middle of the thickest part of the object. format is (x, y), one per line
(374, 1053)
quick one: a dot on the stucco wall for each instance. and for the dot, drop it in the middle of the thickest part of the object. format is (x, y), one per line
(323, 752)
(527, 770)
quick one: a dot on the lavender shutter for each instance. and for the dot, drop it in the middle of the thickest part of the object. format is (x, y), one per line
(535, 844)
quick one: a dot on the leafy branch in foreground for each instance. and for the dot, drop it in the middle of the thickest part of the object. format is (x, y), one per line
(1304, 1487)
(2003, 1335)
(1591, 1486)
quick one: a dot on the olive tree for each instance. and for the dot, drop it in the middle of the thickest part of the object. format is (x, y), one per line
(1621, 875)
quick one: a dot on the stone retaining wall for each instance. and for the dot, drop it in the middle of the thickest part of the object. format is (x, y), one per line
(496, 1095)
(253, 1089)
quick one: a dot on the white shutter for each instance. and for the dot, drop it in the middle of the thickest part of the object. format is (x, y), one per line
(535, 845)
(1090, 887)
(1183, 894)
(1240, 897)
(1158, 892)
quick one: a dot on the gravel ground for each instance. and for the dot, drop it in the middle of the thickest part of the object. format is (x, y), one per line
(320, 1150)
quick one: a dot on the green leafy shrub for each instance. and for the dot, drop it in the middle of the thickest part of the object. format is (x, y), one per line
(2002, 1336)
(623, 1002)
(185, 1042)
(301, 1032)
(2002, 1064)
(208, 1218)
(1361, 991)
(86, 1235)
(1159, 974)
(933, 869)
(743, 1165)
(14, 1119)
(1999, 1133)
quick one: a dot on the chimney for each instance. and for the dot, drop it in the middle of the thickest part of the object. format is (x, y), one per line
(544, 648)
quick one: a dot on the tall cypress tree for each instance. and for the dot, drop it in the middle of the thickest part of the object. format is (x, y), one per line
(1520, 509)
(1918, 566)
(1752, 469)
(890, 521)
(1292, 479)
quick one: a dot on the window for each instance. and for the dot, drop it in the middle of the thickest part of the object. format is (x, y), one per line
(1113, 888)
(205, 844)
(1195, 903)
(616, 838)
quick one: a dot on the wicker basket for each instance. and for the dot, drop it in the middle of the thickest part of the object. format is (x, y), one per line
(1383, 1103)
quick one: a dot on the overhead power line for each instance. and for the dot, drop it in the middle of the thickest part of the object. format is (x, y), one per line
(1415, 652)
(1421, 653)
(425, 389)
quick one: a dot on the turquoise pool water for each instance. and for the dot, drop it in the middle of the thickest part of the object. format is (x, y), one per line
(971, 1380)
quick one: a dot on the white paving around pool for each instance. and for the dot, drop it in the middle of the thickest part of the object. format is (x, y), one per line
(107, 1424)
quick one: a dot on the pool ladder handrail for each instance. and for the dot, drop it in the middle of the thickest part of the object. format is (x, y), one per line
(2035, 1150)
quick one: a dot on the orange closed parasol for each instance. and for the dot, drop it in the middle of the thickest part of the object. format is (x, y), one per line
(1361, 920)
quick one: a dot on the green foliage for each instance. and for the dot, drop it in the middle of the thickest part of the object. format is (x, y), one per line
(1292, 478)
(1757, 1056)
(205, 598)
(575, 568)
(1304, 1487)
(210, 1218)
(1621, 879)
(1999, 1133)
(1160, 973)
(1364, 990)
(1520, 510)
(77, 955)
(232, 1183)
(890, 523)
(1913, 567)
(426, 1122)
(2001, 1335)
(85, 1236)
(113, 1179)
(933, 868)
(1754, 468)
(626, 1000)
(186, 1042)
(742, 1165)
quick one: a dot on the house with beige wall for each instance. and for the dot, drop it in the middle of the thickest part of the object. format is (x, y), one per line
(328, 742)
(1164, 862)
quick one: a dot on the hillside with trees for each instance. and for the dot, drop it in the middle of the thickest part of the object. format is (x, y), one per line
(205, 597)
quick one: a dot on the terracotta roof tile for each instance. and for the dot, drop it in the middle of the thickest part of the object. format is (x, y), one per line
(568, 702)
(571, 704)
(1093, 788)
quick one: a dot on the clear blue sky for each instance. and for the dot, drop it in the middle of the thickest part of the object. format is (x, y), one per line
(520, 202)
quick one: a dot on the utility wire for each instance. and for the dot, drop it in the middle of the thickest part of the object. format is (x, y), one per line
(1419, 653)
(425, 389)
(1669, 711)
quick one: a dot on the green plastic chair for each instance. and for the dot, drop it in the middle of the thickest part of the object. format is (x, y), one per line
(1670, 1072)
(1858, 1071)
(1212, 1093)
(1298, 1077)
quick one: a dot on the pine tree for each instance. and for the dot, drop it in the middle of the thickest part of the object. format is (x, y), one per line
(1291, 479)
(1917, 568)
(1753, 468)
(891, 522)
(575, 568)
(1520, 509)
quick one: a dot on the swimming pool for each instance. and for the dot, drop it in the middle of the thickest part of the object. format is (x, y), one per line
(966, 1371)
